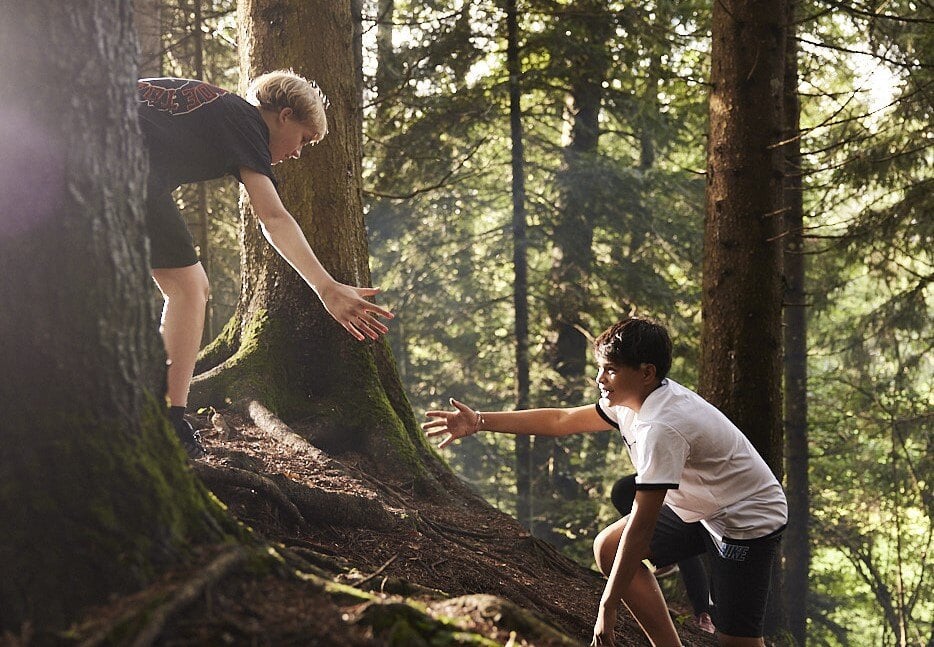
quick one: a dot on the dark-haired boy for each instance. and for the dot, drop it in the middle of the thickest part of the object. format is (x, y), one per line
(700, 486)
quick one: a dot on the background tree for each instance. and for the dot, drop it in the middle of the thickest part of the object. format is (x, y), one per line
(92, 490)
(795, 543)
(741, 339)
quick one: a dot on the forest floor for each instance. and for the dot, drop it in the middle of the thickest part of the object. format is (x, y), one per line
(356, 561)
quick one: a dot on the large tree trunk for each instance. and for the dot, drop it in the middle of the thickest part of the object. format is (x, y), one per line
(94, 494)
(741, 338)
(796, 545)
(281, 346)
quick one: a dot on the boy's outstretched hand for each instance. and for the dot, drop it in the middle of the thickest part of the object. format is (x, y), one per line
(460, 423)
(350, 309)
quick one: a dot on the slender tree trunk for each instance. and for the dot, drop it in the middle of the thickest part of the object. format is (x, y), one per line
(589, 25)
(286, 350)
(95, 497)
(523, 450)
(796, 545)
(203, 210)
(741, 339)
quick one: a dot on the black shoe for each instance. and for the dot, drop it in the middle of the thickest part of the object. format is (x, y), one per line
(190, 439)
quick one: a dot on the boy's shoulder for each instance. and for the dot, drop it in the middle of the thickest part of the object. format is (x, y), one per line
(676, 406)
(177, 97)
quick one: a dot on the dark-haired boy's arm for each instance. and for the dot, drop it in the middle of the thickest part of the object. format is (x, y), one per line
(464, 421)
(634, 546)
(343, 302)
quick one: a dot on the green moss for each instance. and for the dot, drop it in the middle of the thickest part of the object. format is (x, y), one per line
(100, 505)
(221, 348)
(348, 407)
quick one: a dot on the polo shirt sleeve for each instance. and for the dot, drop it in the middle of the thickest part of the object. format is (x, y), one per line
(607, 413)
(660, 459)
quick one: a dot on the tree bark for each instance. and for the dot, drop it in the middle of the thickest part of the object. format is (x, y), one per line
(284, 349)
(94, 492)
(741, 338)
(796, 547)
(147, 16)
(742, 292)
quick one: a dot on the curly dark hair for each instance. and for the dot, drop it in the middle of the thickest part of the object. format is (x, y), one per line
(635, 341)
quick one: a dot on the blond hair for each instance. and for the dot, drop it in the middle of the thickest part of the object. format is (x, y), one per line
(285, 89)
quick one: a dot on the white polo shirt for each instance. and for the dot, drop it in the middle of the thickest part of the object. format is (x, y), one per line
(680, 442)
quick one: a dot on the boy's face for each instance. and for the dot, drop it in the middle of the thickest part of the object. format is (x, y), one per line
(622, 385)
(288, 136)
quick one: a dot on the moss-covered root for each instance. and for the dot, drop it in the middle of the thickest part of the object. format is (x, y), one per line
(507, 616)
(142, 625)
(401, 624)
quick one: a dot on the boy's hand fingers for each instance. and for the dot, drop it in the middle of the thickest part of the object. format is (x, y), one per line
(460, 406)
(434, 423)
(436, 432)
(356, 334)
(375, 325)
(372, 307)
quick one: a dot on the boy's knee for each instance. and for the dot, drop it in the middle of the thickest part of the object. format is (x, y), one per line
(604, 549)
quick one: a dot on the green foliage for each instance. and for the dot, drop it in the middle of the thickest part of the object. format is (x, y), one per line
(872, 376)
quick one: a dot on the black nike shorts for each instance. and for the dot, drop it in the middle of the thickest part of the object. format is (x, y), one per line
(170, 242)
(740, 569)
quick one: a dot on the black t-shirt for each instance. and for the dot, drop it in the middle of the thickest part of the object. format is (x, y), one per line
(195, 131)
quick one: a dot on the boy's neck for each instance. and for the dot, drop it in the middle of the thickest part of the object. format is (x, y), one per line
(646, 392)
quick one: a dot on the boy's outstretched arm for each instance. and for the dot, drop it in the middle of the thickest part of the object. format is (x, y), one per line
(464, 421)
(345, 303)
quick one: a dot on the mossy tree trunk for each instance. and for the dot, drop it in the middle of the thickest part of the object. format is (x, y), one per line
(281, 347)
(95, 497)
(741, 337)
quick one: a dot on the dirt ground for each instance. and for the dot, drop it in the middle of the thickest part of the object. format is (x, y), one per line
(433, 571)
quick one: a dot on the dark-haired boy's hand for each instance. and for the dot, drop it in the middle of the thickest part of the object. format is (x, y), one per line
(460, 423)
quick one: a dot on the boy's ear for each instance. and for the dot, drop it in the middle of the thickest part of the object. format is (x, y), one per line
(285, 113)
(649, 372)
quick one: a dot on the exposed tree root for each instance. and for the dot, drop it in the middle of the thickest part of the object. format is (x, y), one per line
(215, 571)
(217, 475)
(182, 597)
(398, 623)
(505, 615)
(315, 503)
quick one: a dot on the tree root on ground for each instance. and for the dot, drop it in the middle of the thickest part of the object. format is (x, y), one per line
(181, 598)
(505, 615)
(215, 476)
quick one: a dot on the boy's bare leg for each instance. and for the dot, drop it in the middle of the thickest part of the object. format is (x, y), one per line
(643, 598)
(186, 294)
(645, 601)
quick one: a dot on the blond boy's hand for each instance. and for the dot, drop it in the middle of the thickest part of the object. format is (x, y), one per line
(460, 423)
(350, 309)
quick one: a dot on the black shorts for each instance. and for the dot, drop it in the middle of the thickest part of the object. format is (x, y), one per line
(740, 570)
(170, 242)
